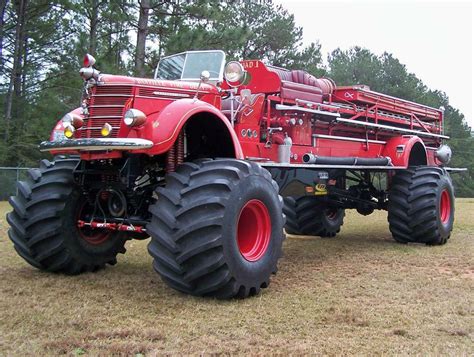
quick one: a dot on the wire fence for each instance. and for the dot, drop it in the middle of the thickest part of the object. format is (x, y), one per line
(9, 176)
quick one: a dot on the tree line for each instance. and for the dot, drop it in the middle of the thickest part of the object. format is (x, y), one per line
(42, 44)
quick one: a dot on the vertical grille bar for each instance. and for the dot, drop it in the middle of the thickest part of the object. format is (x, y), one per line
(107, 105)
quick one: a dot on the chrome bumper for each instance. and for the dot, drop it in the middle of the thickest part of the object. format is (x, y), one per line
(104, 144)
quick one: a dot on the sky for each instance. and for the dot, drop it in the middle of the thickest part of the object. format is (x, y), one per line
(432, 38)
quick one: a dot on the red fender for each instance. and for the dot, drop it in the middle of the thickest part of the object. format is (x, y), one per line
(163, 129)
(399, 149)
(59, 127)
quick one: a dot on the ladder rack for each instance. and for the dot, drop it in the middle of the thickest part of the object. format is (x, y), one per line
(352, 122)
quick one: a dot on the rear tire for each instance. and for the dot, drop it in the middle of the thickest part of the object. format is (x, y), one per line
(305, 216)
(217, 228)
(421, 206)
(43, 223)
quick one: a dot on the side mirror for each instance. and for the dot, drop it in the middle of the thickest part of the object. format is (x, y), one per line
(205, 75)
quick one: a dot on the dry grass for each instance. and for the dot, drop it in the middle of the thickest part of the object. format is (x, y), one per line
(360, 293)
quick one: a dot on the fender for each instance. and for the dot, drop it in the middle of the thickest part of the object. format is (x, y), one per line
(399, 149)
(163, 129)
(58, 129)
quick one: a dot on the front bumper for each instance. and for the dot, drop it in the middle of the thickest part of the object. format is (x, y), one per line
(105, 144)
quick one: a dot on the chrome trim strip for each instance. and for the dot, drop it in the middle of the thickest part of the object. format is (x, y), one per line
(307, 110)
(95, 128)
(106, 106)
(96, 144)
(169, 89)
(105, 117)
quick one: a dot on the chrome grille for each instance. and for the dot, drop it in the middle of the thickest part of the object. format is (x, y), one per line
(107, 105)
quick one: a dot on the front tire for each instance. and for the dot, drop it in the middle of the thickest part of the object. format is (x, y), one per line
(43, 223)
(421, 206)
(305, 216)
(217, 228)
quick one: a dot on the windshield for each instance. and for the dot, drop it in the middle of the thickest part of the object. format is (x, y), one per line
(189, 65)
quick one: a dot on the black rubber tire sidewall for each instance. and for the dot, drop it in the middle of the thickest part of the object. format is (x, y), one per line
(332, 225)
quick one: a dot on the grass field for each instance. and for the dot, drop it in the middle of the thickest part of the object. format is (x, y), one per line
(359, 293)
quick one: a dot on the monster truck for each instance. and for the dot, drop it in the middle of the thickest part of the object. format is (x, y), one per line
(208, 158)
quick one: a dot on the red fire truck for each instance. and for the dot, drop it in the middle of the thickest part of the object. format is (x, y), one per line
(212, 160)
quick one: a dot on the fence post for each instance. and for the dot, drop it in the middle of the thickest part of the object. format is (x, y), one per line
(17, 179)
(12, 172)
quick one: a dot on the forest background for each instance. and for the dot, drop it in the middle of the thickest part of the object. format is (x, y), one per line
(42, 44)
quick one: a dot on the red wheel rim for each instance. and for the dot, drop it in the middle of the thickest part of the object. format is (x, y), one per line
(253, 230)
(92, 236)
(445, 207)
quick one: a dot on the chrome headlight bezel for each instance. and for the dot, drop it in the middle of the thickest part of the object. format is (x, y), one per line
(134, 117)
(234, 72)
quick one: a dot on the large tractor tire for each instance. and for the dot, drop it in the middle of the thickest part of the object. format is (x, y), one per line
(421, 206)
(305, 216)
(217, 228)
(43, 223)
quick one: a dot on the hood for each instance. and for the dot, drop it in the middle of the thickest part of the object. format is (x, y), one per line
(157, 83)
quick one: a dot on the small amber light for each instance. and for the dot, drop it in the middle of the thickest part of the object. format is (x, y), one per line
(106, 129)
(69, 131)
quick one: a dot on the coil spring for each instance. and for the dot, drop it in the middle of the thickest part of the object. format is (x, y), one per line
(175, 155)
(170, 160)
(180, 149)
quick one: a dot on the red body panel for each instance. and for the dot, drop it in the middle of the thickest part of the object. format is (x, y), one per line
(163, 127)
(349, 121)
(398, 149)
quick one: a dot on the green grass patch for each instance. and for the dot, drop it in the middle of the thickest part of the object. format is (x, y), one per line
(358, 293)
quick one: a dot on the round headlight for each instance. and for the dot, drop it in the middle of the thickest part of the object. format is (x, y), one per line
(134, 117)
(234, 72)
